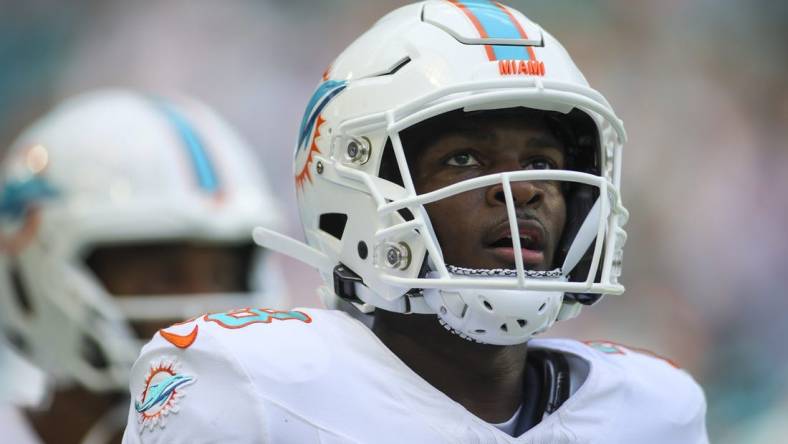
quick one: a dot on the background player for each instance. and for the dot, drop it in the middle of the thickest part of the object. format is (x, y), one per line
(120, 213)
(459, 178)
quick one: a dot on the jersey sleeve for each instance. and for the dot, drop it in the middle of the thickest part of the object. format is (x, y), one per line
(187, 388)
(672, 396)
(660, 401)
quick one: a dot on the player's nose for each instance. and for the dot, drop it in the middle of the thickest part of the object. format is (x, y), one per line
(524, 194)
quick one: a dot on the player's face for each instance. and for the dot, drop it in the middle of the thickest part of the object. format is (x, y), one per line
(163, 269)
(473, 227)
(170, 269)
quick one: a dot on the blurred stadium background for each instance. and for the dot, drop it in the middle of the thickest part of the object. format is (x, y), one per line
(702, 86)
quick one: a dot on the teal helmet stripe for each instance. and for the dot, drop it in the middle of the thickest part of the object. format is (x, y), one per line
(498, 24)
(206, 174)
(319, 100)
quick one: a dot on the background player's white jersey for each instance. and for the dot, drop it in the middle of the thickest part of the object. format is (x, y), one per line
(318, 376)
(14, 427)
(23, 385)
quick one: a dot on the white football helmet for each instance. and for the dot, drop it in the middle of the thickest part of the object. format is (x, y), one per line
(110, 168)
(371, 237)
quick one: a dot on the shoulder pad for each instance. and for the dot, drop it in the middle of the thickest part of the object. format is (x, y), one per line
(669, 400)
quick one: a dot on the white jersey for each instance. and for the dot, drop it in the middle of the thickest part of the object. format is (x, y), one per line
(14, 427)
(318, 376)
(24, 385)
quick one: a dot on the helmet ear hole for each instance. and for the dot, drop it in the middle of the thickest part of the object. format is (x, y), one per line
(20, 292)
(17, 341)
(333, 224)
(406, 214)
(92, 353)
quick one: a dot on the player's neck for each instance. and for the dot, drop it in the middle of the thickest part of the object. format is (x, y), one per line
(71, 415)
(487, 380)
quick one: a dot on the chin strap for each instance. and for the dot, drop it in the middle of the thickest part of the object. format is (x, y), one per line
(349, 287)
(568, 310)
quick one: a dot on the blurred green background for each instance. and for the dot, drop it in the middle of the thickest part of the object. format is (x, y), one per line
(702, 86)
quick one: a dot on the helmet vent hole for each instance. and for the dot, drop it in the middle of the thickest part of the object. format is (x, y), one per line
(522, 323)
(362, 250)
(480, 331)
(542, 307)
(504, 328)
(333, 224)
(20, 292)
(16, 340)
(487, 305)
(397, 66)
(92, 353)
(406, 214)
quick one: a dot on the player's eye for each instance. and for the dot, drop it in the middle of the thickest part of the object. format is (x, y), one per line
(540, 163)
(464, 159)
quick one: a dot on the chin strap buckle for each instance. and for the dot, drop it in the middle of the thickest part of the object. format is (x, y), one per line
(568, 310)
(345, 281)
(349, 287)
(574, 302)
(582, 298)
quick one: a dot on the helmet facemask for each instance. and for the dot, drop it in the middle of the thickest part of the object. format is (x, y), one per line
(370, 234)
(408, 259)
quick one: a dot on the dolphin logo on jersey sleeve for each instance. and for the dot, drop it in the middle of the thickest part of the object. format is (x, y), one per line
(163, 388)
(159, 393)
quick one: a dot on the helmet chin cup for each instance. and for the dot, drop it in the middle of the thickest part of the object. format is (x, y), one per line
(495, 316)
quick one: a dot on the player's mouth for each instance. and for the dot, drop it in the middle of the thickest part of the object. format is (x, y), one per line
(532, 244)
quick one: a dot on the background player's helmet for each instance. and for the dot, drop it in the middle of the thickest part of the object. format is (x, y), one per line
(112, 168)
(378, 248)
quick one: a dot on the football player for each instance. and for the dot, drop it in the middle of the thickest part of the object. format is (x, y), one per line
(459, 186)
(121, 213)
